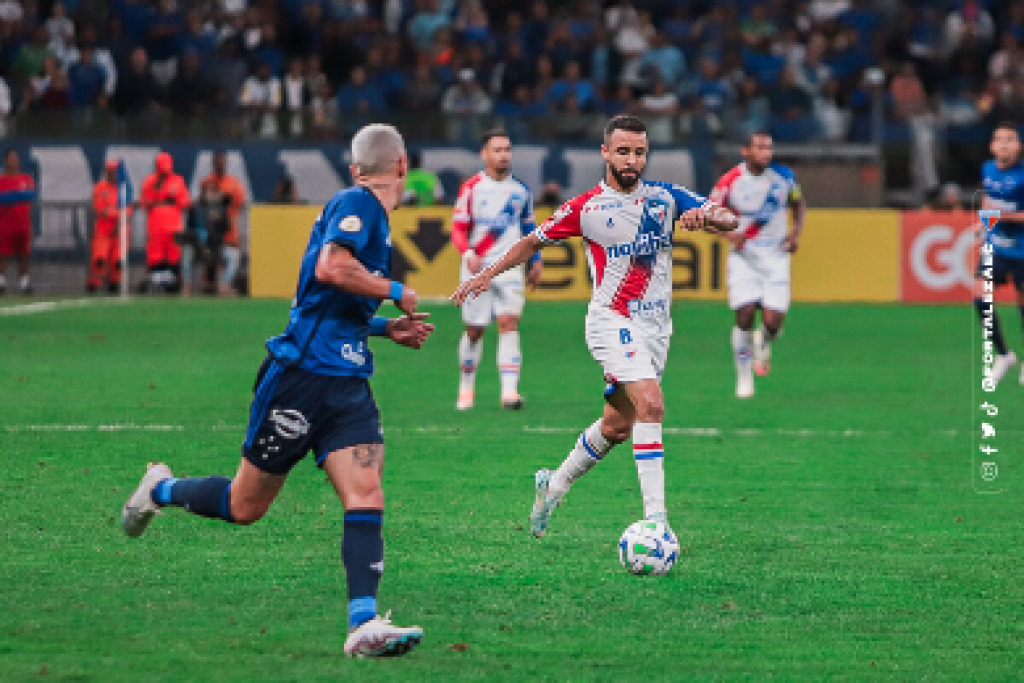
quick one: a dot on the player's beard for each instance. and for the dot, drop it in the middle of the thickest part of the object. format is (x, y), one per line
(627, 182)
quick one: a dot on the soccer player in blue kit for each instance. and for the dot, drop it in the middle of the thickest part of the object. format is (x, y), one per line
(1003, 180)
(312, 392)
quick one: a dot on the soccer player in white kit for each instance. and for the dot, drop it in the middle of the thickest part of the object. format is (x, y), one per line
(627, 225)
(493, 210)
(759, 191)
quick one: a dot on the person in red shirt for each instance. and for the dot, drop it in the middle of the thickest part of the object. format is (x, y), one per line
(165, 197)
(17, 192)
(105, 263)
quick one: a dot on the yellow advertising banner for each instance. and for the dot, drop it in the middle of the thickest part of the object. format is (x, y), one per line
(844, 256)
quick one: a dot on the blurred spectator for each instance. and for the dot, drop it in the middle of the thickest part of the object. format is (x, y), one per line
(535, 29)
(101, 56)
(191, 92)
(621, 102)
(87, 80)
(422, 187)
(757, 26)
(427, 19)
(847, 57)
(285, 191)
(950, 198)
(423, 93)
(833, 120)
(811, 73)
(907, 92)
(561, 47)
(762, 64)
(514, 70)
(466, 96)
(56, 96)
(359, 96)
(471, 23)
(164, 44)
(663, 61)
(791, 110)
(544, 80)
(261, 97)
(324, 110)
(28, 63)
(228, 73)
(296, 96)
(1008, 61)
(709, 91)
(198, 38)
(572, 86)
(864, 18)
(137, 92)
(11, 12)
(970, 19)
(550, 194)
(315, 77)
(523, 104)
(269, 51)
(61, 30)
(658, 106)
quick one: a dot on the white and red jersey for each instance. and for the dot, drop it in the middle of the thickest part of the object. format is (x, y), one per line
(759, 200)
(491, 215)
(629, 244)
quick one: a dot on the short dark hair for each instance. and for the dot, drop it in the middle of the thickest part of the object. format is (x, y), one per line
(1007, 125)
(628, 122)
(755, 134)
(491, 134)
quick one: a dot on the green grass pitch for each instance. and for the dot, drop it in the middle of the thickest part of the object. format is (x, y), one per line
(829, 525)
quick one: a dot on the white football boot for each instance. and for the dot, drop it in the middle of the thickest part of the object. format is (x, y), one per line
(140, 508)
(542, 505)
(378, 637)
(1002, 365)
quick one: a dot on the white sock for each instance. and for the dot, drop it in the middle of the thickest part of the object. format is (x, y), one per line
(25, 282)
(742, 349)
(649, 453)
(509, 362)
(588, 451)
(3, 280)
(469, 361)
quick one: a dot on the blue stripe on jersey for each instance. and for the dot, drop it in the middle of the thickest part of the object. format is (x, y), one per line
(261, 401)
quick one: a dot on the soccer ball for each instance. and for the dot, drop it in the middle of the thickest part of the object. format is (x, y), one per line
(648, 547)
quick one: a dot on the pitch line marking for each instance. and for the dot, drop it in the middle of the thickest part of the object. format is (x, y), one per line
(47, 306)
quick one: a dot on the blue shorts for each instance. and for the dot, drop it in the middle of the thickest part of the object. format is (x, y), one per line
(1004, 267)
(294, 412)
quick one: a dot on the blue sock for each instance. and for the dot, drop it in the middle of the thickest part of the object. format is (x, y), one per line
(362, 551)
(209, 497)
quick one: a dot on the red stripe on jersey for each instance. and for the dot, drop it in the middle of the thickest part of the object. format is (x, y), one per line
(720, 193)
(633, 286)
(600, 257)
(565, 222)
(485, 244)
(462, 219)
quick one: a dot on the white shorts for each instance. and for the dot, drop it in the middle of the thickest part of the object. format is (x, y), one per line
(759, 276)
(506, 296)
(626, 351)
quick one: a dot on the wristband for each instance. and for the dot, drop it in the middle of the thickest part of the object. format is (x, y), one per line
(534, 258)
(378, 327)
(395, 291)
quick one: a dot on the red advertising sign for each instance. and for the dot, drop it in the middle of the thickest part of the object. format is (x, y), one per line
(939, 254)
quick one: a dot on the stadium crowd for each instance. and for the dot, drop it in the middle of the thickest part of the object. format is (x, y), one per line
(804, 70)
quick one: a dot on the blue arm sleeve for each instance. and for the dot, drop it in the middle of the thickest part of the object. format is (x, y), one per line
(350, 220)
(378, 327)
(17, 196)
(684, 199)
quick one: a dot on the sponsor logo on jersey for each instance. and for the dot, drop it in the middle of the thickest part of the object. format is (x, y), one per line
(350, 224)
(289, 423)
(354, 353)
(647, 309)
(645, 244)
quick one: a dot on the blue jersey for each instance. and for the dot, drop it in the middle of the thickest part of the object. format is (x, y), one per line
(328, 327)
(1005, 191)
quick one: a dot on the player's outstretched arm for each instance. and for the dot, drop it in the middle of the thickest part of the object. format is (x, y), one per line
(410, 330)
(710, 217)
(338, 267)
(519, 253)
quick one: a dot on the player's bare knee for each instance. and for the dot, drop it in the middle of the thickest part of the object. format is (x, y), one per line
(475, 334)
(745, 317)
(246, 513)
(507, 324)
(615, 433)
(652, 412)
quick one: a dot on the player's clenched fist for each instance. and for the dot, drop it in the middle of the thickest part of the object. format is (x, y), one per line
(471, 288)
(410, 330)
